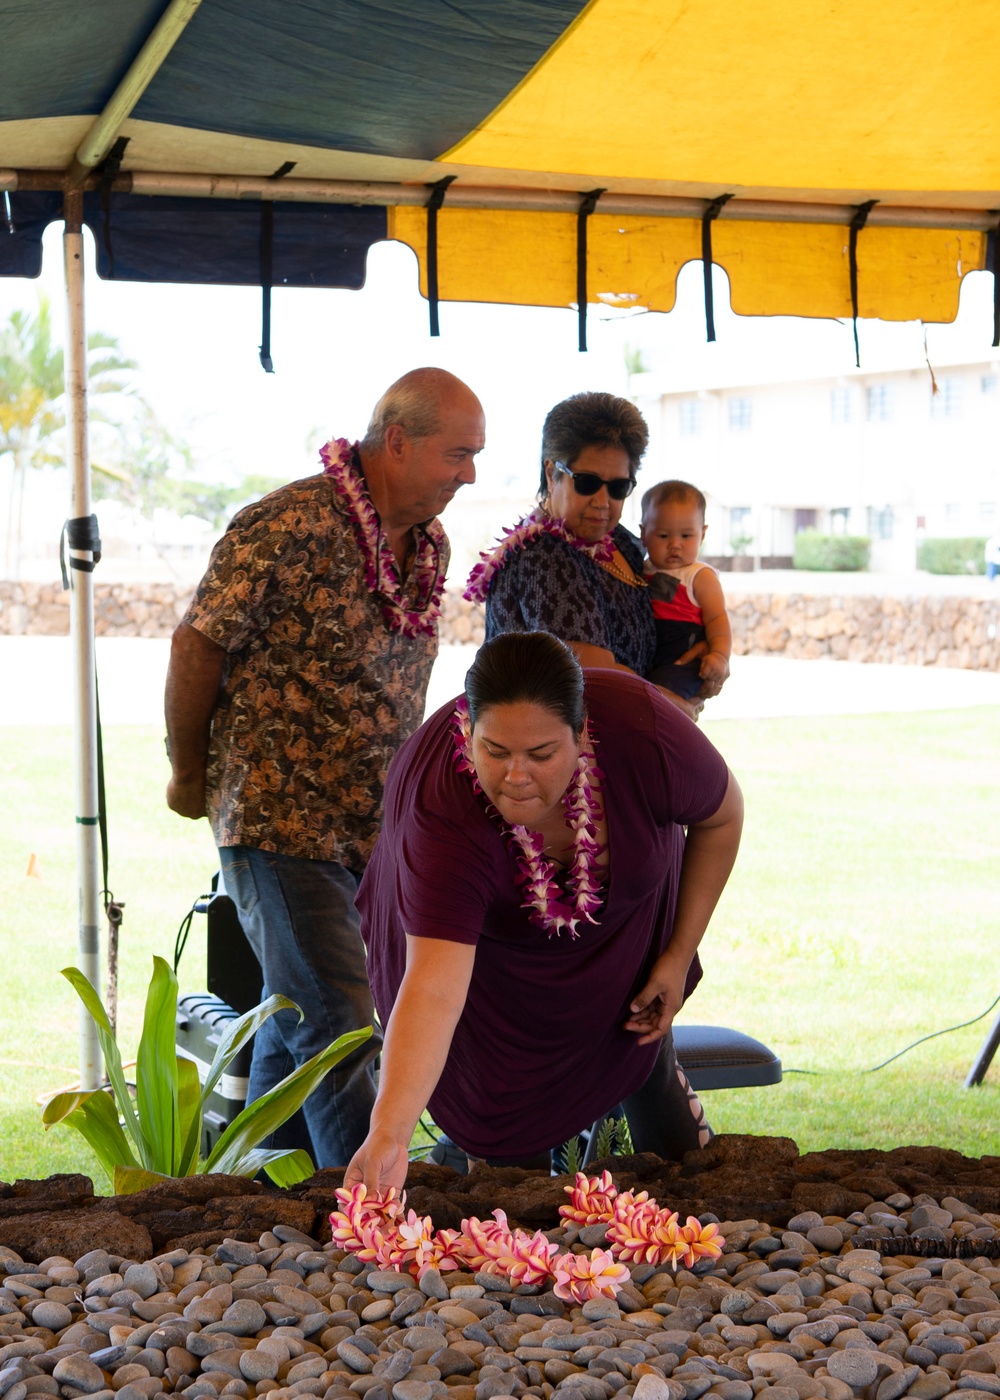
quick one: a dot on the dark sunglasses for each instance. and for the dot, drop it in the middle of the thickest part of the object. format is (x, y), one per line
(589, 483)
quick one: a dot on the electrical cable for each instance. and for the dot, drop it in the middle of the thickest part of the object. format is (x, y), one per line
(200, 906)
(948, 1030)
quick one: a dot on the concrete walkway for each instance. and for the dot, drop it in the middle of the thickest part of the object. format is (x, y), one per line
(37, 684)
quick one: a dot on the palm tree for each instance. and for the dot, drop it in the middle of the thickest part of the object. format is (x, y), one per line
(32, 402)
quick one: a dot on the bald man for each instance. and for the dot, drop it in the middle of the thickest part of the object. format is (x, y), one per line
(299, 669)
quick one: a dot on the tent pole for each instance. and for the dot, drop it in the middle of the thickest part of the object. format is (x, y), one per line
(81, 627)
(141, 72)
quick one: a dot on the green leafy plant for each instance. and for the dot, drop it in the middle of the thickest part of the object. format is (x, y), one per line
(606, 1136)
(574, 1156)
(831, 553)
(613, 1139)
(947, 556)
(158, 1134)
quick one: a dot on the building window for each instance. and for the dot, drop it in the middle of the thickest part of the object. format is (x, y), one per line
(879, 403)
(988, 512)
(740, 413)
(952, 512)
(838, 520)
(692, 416)
(739, 519)
(988, 383)
(840, 406)
(880, 523)
(740, 529)
(947, 402)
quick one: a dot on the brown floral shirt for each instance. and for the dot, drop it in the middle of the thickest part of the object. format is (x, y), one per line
(318, 693)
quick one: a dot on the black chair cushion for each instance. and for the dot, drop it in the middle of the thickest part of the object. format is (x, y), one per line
(714, 1057)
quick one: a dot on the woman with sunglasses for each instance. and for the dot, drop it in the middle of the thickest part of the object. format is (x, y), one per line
(570, 567)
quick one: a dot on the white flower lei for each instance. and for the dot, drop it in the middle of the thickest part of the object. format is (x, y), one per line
(548, 906)
(340, 463)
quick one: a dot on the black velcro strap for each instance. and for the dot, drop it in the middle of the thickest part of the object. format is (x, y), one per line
(857, 224)
(82, 533)
(438, 192)
(110, 167)
(266, 280)
(707, 219)
(588, 203)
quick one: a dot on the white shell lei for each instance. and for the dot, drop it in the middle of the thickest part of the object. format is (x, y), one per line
(381, 574)
(491, 561)
(548, 905)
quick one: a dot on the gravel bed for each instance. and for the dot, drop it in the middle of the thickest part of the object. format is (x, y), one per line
(821, 1306)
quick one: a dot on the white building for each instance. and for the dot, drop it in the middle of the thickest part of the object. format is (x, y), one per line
(874, 453)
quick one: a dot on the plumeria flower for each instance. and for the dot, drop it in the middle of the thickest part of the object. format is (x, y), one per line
(704, 1241)
(579, 1278)
(361, 1209)
(635, 1230)
(413, 1239)
(673, 1242)
(533, 1258)
(591, 1199)
(447, 1250)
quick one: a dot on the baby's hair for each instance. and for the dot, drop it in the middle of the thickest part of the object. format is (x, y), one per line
(664, 491)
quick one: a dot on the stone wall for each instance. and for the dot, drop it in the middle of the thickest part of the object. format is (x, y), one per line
(914, 631)
(120, 609)
(921, 631)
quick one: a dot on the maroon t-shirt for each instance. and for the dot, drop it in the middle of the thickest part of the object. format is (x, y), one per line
(539, 1051)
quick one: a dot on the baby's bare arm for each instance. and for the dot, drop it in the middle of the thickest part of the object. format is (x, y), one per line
(714, 669)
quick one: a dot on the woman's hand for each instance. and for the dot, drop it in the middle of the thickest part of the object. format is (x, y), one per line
(417, 1040)
(655, 1006)
(380, 1162)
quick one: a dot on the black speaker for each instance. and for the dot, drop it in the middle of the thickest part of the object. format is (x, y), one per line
(234, 973)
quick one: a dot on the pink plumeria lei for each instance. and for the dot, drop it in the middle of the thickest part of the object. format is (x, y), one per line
(640, 1231)
(341, 464)
(548, 906)
(491, 561)
(381, 1231)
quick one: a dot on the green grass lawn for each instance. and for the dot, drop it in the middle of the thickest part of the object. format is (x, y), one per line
(863, 913)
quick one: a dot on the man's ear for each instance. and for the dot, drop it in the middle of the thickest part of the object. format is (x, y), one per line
(395, 439)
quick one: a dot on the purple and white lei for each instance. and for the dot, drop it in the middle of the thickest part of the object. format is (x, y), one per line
(340, 463)
(520, 535)
(548, 906)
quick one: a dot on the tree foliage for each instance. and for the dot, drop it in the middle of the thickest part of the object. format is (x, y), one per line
(33, 401)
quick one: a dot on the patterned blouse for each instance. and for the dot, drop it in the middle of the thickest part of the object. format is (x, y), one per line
(551, 587)
(318, 693)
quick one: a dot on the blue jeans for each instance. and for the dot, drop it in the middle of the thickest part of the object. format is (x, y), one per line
(300, 919)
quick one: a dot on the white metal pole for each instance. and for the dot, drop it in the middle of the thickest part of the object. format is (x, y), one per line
(81, 627)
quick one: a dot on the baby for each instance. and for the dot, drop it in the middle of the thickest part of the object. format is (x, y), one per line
(693, 637)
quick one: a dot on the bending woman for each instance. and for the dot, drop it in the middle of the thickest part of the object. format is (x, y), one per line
(532, 911)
